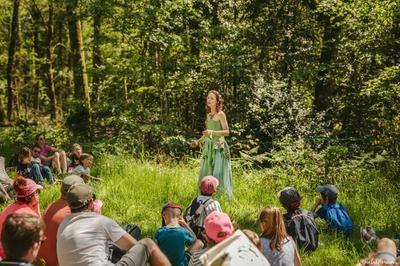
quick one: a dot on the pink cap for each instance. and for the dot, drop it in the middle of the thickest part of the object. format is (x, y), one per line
(218, 226)
(25, 187)
(208, 185)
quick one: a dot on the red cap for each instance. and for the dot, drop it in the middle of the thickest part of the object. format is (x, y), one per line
(25, 187)
(208, 185)
(218, 226)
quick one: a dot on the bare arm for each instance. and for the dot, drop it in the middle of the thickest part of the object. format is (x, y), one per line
(297, 259)
(126, 242)
(317, 202)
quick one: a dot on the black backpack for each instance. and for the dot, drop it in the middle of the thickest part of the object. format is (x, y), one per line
(195, 215)
(300, 225)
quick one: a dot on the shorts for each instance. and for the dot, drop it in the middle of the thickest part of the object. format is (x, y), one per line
(138, 255)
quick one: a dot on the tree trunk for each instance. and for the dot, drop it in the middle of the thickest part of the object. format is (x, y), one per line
(81, 85)
(11, 59)
(49, 66)
(96, 53)
(38, 55)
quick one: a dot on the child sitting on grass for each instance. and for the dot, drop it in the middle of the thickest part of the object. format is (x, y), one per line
(83, 169)
(74, 157)
(175, 235)
(35, 171)
(331, 211)
(202, 206)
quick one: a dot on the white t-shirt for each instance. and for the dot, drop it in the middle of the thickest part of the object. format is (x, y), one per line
(82, 239)
(214, 206)
(79, 170)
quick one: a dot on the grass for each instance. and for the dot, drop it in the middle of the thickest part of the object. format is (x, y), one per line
(133, 192)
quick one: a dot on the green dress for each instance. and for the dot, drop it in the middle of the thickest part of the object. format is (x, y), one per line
(215, 159)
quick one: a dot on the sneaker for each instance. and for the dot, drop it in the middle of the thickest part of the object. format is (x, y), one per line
(368, 235)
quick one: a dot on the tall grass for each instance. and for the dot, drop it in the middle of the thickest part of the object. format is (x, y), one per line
(133, 191)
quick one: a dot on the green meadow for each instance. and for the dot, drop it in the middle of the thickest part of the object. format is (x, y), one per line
(133, 191)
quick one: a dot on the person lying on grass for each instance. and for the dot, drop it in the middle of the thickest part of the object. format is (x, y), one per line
(332, 212)
(175, 234)
(83, 169)
(385, 254)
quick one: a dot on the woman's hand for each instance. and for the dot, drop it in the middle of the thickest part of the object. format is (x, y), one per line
(207, 133)
(194, 144)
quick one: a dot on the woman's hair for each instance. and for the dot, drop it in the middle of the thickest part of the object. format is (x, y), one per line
(274, 226)
(84, 156)
(75, 146)
(38, 136)
(220, 101)
(24, 153)
(20, 232)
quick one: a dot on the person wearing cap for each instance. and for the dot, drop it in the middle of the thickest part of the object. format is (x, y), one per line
(27, 201)
(175, 234)
(299, 223)
(21, 237)
(84, 235)
(208, 187)
(52, 217)
(218, 227)
(331, 211)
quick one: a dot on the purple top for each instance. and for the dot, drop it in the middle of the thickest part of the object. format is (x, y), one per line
(45, 150)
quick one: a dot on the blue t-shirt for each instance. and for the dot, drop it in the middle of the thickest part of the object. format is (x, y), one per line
(172, 241)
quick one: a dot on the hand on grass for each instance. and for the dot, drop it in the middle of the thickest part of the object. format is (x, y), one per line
(194, 144)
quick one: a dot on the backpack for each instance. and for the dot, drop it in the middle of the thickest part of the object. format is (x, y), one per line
(300, 225)
(195, 215)
(338, 218)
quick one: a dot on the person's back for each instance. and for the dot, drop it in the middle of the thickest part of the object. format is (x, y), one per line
(283, 257)
(82, 239)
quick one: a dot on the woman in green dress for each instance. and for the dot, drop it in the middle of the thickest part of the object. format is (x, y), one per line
(215, 155)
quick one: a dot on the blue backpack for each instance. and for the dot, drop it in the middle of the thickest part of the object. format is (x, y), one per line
(338, 218)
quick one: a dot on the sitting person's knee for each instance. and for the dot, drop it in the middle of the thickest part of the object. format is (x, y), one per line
(150, 244)
(57, 154)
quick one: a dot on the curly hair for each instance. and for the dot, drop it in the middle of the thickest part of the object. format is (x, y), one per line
(220, 101)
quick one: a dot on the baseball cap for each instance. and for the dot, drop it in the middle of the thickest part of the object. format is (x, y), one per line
(328, 190)
(25, 187)
(68, 181)
(79, 195)
(218, 226)
(208, 185)
(289, 197)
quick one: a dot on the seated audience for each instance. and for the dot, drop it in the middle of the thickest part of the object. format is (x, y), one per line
(202, 206)
(83, 236)
(276, 245)
(21, 237)
(175, 235)
(218, 227)
(32, 170)
(385, 254)
(27, 201)
(58, 157)
(332, 212)
(74, 156)
(52, 217)
(299, 223)
(83, 169)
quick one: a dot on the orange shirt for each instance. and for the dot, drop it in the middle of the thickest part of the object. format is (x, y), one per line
(52, 217)
(17, 207)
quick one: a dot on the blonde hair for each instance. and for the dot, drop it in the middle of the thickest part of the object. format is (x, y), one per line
(75, 146)
(274, 226)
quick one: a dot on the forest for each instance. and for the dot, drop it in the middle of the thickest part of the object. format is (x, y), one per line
(136, 73)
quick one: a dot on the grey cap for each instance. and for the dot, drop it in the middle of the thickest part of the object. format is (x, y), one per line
(68, 181)
(79, 195)
(328, 190)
